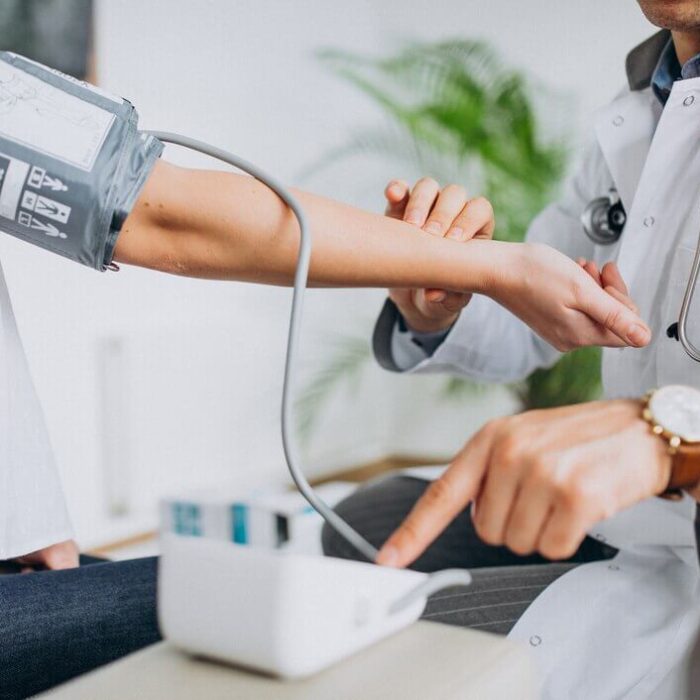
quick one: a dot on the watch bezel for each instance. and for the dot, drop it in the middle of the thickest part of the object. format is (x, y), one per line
(674, 437)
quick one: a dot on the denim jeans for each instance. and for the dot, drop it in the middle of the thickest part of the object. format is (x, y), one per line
(55, 625)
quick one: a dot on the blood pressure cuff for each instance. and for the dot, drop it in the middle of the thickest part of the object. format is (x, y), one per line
(72, 161)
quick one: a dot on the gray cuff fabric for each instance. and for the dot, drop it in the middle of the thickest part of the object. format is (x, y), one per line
(398, 348)
(382, 336)
(72, 161)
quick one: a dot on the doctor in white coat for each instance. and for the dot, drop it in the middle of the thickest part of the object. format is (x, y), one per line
(615, 628)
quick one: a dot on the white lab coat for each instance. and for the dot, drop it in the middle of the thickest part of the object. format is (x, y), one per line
(621, 628)
(32, 507)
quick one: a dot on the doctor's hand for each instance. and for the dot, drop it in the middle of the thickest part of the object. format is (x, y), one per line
(63, 555)
(540, 480)
(446, 213)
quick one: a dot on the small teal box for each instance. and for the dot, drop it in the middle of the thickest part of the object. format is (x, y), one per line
(187, 519)
(239, 523)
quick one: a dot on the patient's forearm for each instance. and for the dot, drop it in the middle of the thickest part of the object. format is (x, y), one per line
(222, 226)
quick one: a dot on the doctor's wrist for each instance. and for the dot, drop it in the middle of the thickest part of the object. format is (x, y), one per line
(673, 415)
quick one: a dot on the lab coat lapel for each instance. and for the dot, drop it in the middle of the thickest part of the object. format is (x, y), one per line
(654, 254)
(624, 129)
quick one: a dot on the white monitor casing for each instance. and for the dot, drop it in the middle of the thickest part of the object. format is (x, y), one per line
(282, 614)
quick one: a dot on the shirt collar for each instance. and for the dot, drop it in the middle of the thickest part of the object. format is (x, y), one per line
(668, 70)
(643, 59)
(654, 63)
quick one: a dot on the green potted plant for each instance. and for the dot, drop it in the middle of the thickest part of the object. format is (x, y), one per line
(454, 110)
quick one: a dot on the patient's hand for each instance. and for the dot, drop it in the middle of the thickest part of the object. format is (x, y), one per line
(563, 303)
(63, 555)
(446, 213)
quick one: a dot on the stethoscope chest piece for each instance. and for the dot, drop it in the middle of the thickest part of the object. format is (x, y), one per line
(604, 219)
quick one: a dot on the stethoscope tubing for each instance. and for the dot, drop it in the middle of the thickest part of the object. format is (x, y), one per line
(435, 581)
(688, 346)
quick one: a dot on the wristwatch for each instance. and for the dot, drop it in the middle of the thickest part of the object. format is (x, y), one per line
(674, 415)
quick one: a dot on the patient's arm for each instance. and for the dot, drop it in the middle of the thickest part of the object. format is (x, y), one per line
(222, 226)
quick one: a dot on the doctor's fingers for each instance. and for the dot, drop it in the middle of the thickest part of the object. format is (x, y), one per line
(528, 515)
(608, 276)
(397, 193)
(448, 207)
(454, 302)
(432, 301)
(536, 460)
(611, 277)
(476, 220)
(562, 534)
(599, 482)
(592, 269)
(421, 201)
(440, 302)
(564, 487)
(584, 499)
(504, 471)
(526, 451)
(442, 501)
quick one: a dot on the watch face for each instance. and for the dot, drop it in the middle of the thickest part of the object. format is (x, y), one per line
(677, 410)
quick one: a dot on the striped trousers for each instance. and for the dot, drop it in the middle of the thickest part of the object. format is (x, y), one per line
(504, 584)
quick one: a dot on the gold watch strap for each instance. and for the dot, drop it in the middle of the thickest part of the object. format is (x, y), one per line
(685, 467)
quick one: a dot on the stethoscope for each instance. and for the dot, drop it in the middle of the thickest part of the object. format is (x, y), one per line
(603, 221)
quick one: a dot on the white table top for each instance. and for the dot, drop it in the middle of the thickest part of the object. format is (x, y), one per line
(427, 661)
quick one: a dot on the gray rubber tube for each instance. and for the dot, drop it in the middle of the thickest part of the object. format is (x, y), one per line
(438, 580)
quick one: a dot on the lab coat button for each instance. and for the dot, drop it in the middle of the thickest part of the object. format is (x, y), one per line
(535, 640)
(613, 567)
(688, 101)
(649, 221)
(619, 120)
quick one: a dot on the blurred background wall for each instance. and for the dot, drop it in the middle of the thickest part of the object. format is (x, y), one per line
(153, 384)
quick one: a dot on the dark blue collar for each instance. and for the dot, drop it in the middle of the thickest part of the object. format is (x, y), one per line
(668, 70)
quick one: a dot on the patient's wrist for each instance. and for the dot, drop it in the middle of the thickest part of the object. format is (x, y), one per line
(493, 266)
